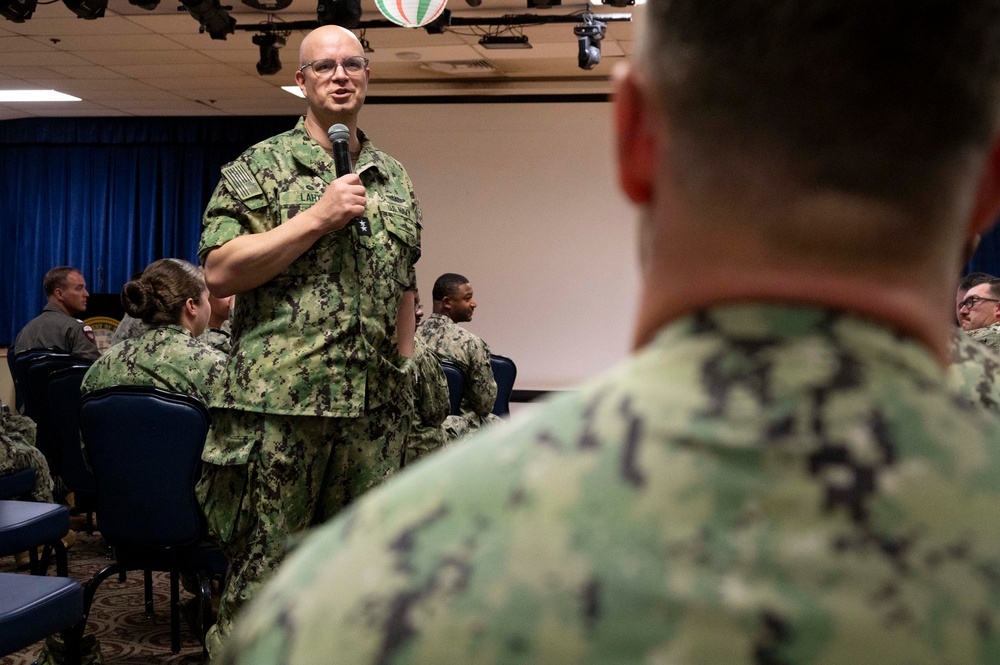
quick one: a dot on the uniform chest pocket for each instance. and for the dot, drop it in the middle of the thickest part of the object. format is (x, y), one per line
(394, 244)
(327, 254)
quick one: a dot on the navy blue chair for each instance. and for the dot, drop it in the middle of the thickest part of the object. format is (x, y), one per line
(17, 484)
(504, 371)
(63, 389)
(26, 525)
(33, 607)
(35, 370)
(456, 384)
(18, 364)
(144, 445)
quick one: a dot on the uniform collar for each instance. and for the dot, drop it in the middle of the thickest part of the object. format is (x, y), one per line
(309, 153)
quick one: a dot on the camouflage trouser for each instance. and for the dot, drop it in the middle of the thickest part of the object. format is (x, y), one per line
(280, 475)
(18, 452)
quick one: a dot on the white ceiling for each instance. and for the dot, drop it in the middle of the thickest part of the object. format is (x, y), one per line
(154, 63)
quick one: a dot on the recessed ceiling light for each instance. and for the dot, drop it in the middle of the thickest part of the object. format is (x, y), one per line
(7, 96)
(294, 89)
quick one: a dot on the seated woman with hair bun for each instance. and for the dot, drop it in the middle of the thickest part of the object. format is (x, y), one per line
(171, 298)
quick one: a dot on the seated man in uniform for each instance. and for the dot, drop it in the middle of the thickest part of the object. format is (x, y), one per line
(979, 313)
(454, 304)
(57, 326)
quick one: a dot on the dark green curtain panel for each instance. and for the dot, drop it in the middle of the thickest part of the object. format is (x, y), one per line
(107, 196)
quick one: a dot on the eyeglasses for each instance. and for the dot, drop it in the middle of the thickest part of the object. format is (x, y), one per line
(972, 301)
(352, 65)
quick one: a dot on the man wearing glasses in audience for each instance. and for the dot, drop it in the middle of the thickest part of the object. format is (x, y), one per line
(311, 410)
(979, 313)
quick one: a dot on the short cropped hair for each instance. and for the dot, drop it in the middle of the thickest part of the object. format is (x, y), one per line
(871, 98)
(994, 288)
(975, 279)
(446, 285)
(158, 295)
(56, 279)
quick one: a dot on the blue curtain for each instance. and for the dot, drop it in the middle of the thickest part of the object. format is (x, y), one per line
(111, 195)
(107, 196)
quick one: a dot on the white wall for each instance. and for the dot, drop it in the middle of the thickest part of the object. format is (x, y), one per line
(522, 199)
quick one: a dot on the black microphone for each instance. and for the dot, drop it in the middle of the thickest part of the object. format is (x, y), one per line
(340, 137)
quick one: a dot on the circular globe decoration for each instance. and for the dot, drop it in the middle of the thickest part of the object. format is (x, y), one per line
(411, 13)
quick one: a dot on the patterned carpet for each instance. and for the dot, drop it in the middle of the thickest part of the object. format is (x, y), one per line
(118, 618)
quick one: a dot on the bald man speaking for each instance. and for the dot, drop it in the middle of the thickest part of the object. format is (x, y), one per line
(310, 412)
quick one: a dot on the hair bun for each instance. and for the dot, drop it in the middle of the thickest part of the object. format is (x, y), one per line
(137, 298)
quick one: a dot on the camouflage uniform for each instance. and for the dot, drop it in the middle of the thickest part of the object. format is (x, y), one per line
(128, 328)
(166, 357)
(313, 403)
(471, 353)
(760, 484)
(990, 336)
(131, 327)
(975, 371)
(55, 329)
(18, 452)
(430, 403)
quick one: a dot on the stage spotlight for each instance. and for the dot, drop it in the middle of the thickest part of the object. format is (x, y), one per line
(88, 9)
(17, 11)
(269, 44)
(214, 20)
(345, 13)
(589, 36)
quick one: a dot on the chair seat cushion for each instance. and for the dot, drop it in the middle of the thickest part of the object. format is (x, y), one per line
(32, 607)
(26, 524)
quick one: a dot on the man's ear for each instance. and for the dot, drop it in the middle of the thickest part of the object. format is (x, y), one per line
(987, 205)
(635, 140)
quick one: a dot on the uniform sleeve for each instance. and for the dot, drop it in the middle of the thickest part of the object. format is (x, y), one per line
(81, 346)
(229, 216)
(431, 402)
(482, 386)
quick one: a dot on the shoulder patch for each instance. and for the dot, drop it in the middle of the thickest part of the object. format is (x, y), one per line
(241, 181)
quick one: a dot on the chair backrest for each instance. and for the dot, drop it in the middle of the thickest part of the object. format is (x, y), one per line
(18, 363)
(504, 371)
(144, 445)
(456, 383)
(38, 369)
(17, 483)
(64, 398)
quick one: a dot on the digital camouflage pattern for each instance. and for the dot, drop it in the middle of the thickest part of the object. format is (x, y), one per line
(131, 327)
(283, 475)
(758, 485)
(315, 399)
(218, 338)
(451, 341)
(990, 336)
(975, 371)
(55, 329)
(128, 328)
(166, 357)
(430, 403)
(320, 338)
(18, 452)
